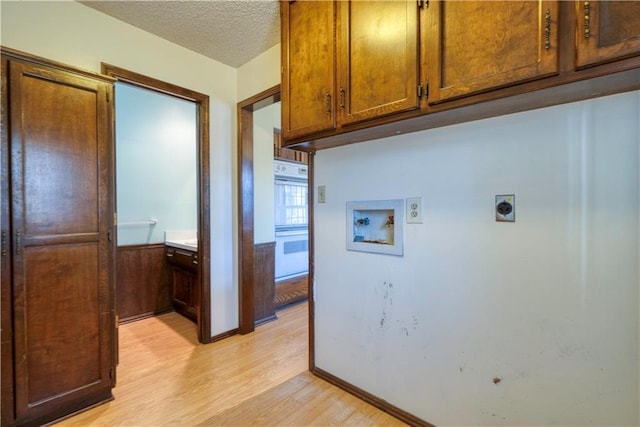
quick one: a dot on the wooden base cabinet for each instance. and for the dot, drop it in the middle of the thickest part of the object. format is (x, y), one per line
(185, 287)
(57, 217)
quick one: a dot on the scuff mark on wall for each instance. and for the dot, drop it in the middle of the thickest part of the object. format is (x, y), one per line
(387, 318)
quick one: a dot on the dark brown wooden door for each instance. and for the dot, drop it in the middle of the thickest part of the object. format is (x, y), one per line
(475, 46)
(607, 30)
(61, 253)
(308, 61)
(378, 58)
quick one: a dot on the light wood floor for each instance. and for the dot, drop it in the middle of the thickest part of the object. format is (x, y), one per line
(165, 378)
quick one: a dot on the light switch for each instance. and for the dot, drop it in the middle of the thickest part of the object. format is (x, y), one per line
(322, 195)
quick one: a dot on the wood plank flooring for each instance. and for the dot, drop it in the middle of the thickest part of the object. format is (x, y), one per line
(165, 378)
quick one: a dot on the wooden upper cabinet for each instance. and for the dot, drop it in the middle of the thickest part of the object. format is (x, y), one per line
(606, 31)
(308, 67)
(378, 58)
(475, 46)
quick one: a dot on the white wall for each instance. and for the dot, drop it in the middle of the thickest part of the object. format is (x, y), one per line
(74, 34)
(548, 304)
(264, 120)
(261, 73)
(156, 168)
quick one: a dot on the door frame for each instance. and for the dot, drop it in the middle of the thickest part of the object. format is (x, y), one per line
(203, 160)
(246, 262)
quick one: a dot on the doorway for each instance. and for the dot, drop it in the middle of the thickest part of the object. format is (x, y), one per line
(252, 203)
(145, 226)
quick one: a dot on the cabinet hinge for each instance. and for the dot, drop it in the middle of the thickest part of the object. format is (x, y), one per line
(109, 237)
(423, 90)
(4, 243)
(117, 320)
(108, 97)
(112, 376)
(423, 3)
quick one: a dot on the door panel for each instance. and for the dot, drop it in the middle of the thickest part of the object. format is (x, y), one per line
(607, 30)
(62, 319)
(308, 87)
(61, 161)
(378, 56)
(511, 42)
(61, 254)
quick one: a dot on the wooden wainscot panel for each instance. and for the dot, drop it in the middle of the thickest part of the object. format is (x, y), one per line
(143, 282)
(265, 271)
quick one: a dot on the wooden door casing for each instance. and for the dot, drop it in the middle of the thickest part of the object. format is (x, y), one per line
(308, 61)
(6, 296)
(378, 58)
(62, 255)
(475, 46)
(606, 31)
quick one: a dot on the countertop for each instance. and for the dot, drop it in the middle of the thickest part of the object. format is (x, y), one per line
(187, 240)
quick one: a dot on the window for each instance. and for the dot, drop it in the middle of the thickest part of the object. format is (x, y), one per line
(290, 204)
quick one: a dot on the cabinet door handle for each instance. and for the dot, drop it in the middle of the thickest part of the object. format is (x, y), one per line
(587, 19)
(342, 98)
(547, 29)
(328, 102)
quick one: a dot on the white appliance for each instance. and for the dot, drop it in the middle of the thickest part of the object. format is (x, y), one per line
(291, 219)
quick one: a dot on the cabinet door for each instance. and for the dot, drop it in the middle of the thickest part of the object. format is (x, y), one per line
(181, 288)
(61, 254)
(476, 46)
(308, 61)
(185, 293)
(378, 57)
(607, 30)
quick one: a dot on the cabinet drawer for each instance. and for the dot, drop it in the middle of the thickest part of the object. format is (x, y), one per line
(182, 258)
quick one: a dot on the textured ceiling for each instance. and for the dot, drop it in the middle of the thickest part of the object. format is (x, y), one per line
(230, 31)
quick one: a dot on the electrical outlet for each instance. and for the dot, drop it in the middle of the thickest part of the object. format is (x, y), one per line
(322, 195)
(414, 210)
(506, 208)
